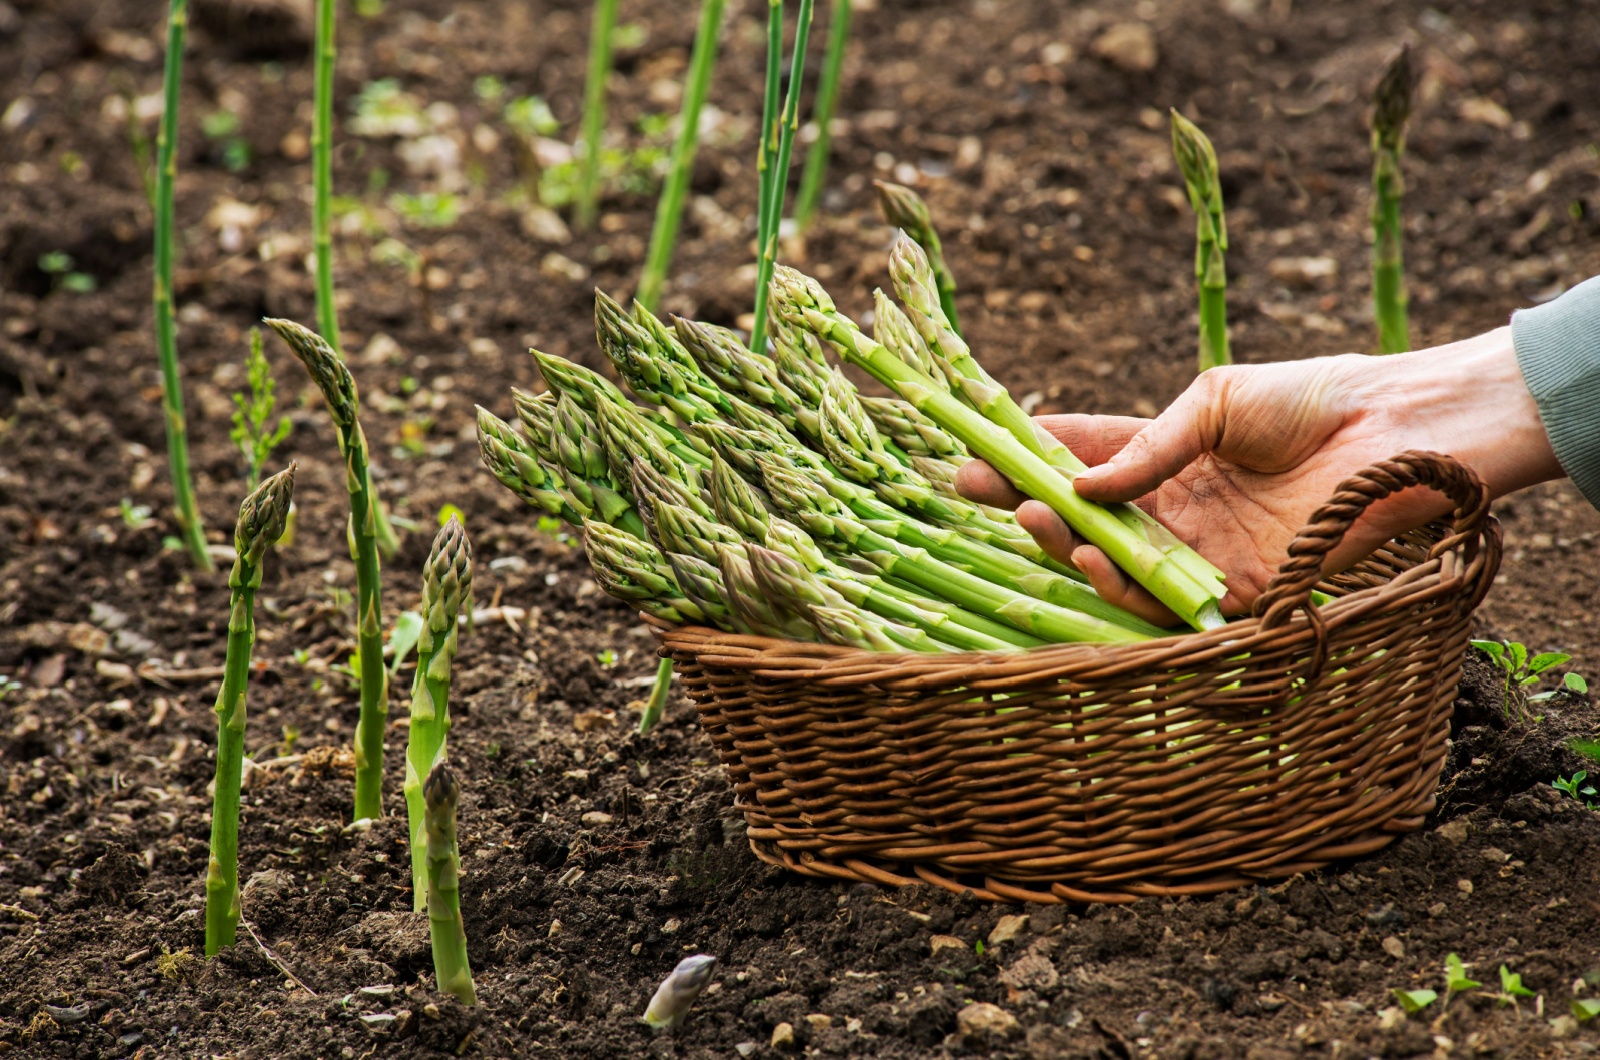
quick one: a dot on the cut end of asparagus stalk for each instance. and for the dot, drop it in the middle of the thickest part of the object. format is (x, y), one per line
(1391, 102)
(263, 516)
(327, 370)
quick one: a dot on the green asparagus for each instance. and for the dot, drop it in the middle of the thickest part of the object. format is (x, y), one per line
(1391, 111)
(1198, 162)
(905, 210)
(339, 391)
(451, 969)
(261, 521)
(446, 584)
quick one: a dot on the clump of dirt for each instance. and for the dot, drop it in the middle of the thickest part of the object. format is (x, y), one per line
(594, 859)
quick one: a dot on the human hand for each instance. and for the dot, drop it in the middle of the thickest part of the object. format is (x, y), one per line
(1240, 461)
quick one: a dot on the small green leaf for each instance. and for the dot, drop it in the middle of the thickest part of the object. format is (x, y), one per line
(407, 630)
(1585, 1009)
(1589, 749)
(1511, 984)
(1414, 1001)
(1545, 660)
(1455, 976)
(1576, 683)
(606, 657)
(447, 510)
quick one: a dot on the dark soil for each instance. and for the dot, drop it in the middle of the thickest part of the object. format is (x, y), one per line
(1048, 167)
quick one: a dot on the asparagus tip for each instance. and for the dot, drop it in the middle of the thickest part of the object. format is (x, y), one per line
(1391, 102)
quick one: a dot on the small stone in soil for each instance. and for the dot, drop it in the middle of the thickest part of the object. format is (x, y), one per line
(981, 1023)
(783, 1036)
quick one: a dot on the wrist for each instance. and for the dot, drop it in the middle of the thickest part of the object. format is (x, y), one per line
(1469, 400)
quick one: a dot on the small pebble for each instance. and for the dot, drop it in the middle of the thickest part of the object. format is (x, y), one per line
(783, 1036)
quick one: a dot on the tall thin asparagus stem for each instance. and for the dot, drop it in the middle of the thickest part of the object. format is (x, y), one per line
(594, 108)
(816, 170)
(321, 211)
(664, 236)
(339, 391)
(446, 583)
(905, 210)
(656, 705)
(1197, 159)
(322, 172)
(447, 931)
(771, 213)
(1391, 110)
(767, 142)
(261, 521)
(190, 527)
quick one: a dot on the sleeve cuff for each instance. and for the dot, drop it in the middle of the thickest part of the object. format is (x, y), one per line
(1558, 350)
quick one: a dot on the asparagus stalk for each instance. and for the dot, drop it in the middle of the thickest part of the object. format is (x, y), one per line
(446, 583)
(755, 608)
(656, 705)
(670, 1003)
(771, 213)
(816, 169)
(701, 582)
(905, 210)
(1391, 111)
(594, 109)
(827, 519)
(451, 969)
(1198, 162)
(633, 570)
(587, 388)
(767, 140)
(945, 360)
(190, 526)
(665, 233)
(1146, 556)
(339, 391)
(837, 621)
(507, 456)
(261, 521)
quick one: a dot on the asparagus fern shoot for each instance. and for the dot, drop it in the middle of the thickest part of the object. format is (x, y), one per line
(254, 439)
(261, 522)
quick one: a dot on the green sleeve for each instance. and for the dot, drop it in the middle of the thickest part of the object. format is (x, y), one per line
(1558, 348)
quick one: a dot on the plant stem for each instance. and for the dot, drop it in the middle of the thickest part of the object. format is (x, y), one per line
(261, 521)
(190, 527)
(656, 705)
(322, 173)
(594, 108)
(1197, 160)
(664, 236)
(451, 969)
(816, 170)
(767, 149)
(1391, 111)
(777, 182)
(339, 391)
(446, 583)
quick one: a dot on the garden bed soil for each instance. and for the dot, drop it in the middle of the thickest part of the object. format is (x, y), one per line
(595, 858)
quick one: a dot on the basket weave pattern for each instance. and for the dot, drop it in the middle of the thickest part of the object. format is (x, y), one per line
(1186, 765)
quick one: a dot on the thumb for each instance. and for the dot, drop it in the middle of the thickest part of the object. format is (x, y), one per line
(1170, 443)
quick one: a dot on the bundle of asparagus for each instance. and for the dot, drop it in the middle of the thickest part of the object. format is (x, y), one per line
(765, 495)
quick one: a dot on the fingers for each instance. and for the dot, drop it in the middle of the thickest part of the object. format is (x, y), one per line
(1115, 587)
(1093, 439)
(1048, 529)
(982, 484)
(1166, 446)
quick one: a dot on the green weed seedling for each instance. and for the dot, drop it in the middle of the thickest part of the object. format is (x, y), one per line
(1585, 1009)
(136, 516)
(1511, 987)
(60, 267)
(254, 439)
(1521, 670)
(1578, 787)
(1455, 978)
(1414, 1001)
(222, 128)
(428, 209)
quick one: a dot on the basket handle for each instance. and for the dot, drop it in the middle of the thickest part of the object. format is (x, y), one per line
(1290, 589)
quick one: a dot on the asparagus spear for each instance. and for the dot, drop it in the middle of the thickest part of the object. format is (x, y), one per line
(826, 518)
(446, 583)
(905, 210)
(656, 705)
(594, 109)
(756, 609)
(1147, 556)
(701, 582)
(1391, 111)
(633, 570)
(827, 98)
(837, 621)
(1198, 162)
(261, 521)
(451, 969)
(509, 458)
(776, 184)
(339, 391)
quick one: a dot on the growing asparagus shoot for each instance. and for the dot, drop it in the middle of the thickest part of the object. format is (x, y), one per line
(186, 510)
(905, 210)
(261, 521)
(664, 235)
(594, 108)
(816, 170)
(679, 991)
(446, 583)
(1391, 110)
(339, 391)
(769, 220)
(1197, 160)
(656, 705)
(451, 969)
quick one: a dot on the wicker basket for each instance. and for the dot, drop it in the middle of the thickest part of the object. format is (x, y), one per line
(1088, 773)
